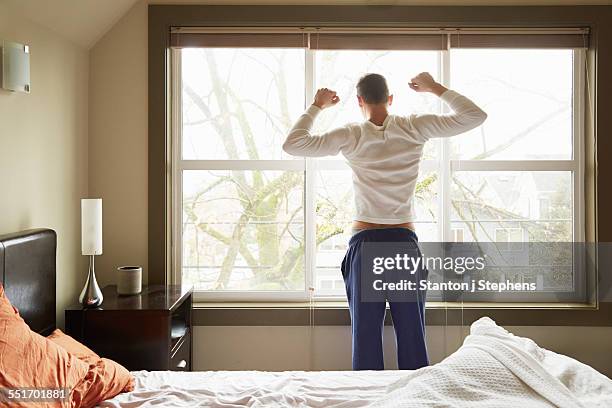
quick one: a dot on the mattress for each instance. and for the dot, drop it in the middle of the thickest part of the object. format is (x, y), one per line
(493, 368)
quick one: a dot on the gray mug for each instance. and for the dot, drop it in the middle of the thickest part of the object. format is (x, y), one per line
(129, 280)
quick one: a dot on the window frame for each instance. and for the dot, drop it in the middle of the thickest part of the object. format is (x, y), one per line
(444, 165)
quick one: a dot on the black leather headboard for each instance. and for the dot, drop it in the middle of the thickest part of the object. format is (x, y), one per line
(27, 269)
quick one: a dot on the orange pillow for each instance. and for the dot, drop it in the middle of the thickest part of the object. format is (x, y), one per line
(105, 378)
(72, 346)
(27, 359)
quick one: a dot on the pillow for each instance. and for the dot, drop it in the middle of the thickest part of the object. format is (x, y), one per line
(72, 346)
(105, 378)
(27, 359)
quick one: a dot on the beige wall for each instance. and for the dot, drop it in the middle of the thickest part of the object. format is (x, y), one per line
(329, 347)
(118, 141)
(118, 173)
(43, 147)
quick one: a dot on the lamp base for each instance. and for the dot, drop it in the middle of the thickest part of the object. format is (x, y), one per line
(91, 295)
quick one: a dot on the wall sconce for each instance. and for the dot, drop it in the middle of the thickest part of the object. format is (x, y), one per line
(15, 66)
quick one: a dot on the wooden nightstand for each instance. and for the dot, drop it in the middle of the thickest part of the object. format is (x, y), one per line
(149, 331)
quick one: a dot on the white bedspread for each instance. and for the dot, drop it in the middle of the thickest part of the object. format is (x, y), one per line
(493, 368)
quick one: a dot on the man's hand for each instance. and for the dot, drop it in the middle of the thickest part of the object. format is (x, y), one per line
(325, 98)
(424, 82)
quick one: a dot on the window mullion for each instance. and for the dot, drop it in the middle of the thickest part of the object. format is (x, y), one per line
(309, 184)
(513, 165)
(238, 164)
(444, 200)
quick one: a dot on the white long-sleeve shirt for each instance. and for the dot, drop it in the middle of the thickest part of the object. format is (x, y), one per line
(384, 159)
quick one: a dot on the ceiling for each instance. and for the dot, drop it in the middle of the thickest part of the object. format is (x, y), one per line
(86, 21)
(82, 21)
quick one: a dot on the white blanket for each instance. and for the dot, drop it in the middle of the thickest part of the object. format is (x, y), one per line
(493, 368)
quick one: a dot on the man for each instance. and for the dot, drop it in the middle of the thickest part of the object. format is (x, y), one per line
(384, 153)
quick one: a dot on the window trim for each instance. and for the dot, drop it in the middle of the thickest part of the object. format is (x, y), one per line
(161, 18)
(309, 166)
(176, 189)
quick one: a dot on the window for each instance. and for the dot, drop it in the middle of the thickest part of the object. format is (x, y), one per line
(253, 223)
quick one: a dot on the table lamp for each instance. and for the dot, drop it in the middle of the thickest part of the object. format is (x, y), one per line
(91, 245)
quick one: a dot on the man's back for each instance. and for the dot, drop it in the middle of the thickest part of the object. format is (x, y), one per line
(385, 162)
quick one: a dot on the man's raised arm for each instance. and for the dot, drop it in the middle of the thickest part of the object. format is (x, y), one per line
(300, 142)
(466, 114)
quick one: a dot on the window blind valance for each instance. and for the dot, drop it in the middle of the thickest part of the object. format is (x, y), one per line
(519, 41)
(329, 38)
(322, 41)
(238, 40)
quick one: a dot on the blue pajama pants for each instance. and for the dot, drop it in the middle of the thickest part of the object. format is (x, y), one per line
(367, 318)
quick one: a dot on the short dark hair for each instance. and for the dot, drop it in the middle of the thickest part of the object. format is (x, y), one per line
(373, 88)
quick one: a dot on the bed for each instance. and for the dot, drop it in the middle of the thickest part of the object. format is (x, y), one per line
(493, 368)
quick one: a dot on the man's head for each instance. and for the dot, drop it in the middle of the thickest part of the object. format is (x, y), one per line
(372, 89)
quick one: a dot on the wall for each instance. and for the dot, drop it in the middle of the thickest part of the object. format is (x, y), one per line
(118, 172)
(118, 141)
(43, 147)
(277, 348)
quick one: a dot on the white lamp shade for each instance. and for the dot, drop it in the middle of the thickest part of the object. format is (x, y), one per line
(91, 226)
